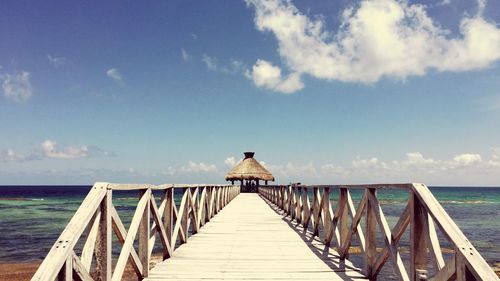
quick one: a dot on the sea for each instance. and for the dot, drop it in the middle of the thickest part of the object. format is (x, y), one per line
(33, 217)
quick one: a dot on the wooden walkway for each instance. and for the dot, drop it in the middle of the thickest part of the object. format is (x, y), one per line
(251, 240)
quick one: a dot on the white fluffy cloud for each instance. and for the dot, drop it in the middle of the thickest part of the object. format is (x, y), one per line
(51, 149)
(266, 75)
(416, 158)
(17, 86)
(375, 39)
(467, 159)
(115, 75)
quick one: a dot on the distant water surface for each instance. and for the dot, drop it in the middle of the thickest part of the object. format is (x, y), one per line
(32, 217)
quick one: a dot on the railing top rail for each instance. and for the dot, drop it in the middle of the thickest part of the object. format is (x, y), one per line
(139, 186)
(352, 186)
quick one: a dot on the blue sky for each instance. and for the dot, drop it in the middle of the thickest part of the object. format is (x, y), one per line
(323, 91)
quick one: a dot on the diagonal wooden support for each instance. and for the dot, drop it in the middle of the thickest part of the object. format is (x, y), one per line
(396, 233)
(88, 248)
(178, 221)
(193, 214)
(355, 227)
(315, 211)
(121, 234)
(79, 270)
(389, 243)
(433, 243)
(339, 223)
(167, 250)
(129, 240)
(201, 208)
(154, 228)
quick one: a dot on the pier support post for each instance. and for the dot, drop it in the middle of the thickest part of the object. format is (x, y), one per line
(418, 237)
(168, 213)
(316, 211)
(103, 242)
(343, 216)
(298, 204)
(144, 233)
(371, 238)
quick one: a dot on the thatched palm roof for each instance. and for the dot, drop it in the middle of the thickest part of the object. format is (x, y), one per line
(249, 169)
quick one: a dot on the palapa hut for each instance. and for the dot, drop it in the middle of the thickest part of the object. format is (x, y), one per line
(249, 172)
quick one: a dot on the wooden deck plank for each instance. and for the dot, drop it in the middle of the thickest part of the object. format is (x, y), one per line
(250, 240)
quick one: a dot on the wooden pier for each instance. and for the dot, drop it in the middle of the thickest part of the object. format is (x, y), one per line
(292, 232)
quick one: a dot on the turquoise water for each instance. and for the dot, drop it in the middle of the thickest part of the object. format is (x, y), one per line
(32, 217)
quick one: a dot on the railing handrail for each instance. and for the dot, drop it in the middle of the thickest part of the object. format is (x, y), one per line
(422, 211)
(139, 186)
(199, 203)
(350, 186)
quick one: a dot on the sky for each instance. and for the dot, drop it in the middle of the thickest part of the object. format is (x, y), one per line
(325, 92)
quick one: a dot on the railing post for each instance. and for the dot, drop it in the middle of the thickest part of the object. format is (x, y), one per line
(144, 233)
(210, 203)
(342, 220)
(418, 238)
(206, 204)
(185, 215)
(217, 191)
(316, 211)
(327, 216)
(305, 208)
(103, 241)
(283, 191)
(370, 239)
(298, 204)
(168, 212)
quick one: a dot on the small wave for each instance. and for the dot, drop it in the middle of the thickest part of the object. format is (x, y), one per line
(125, 198)
(37, 199)
(466, 202)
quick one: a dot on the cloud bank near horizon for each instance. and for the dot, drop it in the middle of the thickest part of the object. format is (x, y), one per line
(460, 169)
(49, 149)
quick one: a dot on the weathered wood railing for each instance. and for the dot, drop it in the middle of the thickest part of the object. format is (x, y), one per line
(98, 216)
(339, 224)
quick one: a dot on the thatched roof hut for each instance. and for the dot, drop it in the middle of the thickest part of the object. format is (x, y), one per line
(249, 169)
